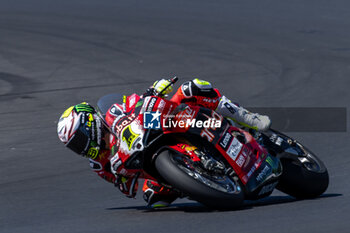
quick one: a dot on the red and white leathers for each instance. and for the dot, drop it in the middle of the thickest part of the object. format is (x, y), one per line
(196, 93)
(200, 93)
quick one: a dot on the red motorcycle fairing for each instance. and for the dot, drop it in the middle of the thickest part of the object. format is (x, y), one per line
(186, 149)
(129, 129)
(241, 150)
(238, 147)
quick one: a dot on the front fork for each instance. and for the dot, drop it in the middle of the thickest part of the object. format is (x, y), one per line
(207, 162)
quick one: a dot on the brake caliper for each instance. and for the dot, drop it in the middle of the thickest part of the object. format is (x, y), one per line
(209, 163)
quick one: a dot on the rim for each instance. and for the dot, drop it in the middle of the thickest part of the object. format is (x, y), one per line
(218, 182)
(307, 158)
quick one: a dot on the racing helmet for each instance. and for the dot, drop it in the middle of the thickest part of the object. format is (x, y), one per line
(80, 128)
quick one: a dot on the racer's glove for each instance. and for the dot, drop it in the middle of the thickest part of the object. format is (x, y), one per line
(160, 85)
(126, 185)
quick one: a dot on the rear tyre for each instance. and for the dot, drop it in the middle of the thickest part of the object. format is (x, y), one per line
(220, 192)
(305, 177)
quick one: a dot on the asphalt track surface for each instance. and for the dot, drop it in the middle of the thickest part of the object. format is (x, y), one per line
(54, 54)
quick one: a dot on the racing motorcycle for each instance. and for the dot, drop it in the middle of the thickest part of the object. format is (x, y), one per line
(202, 155)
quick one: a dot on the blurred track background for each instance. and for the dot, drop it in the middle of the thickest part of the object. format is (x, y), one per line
(54, 54)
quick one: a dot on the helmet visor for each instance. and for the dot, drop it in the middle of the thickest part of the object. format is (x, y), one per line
(80, 141)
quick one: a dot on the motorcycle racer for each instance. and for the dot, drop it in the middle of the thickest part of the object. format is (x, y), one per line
(83, 130)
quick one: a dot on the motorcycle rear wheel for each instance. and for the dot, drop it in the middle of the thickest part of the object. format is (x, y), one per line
(305, 177)
(219, 192)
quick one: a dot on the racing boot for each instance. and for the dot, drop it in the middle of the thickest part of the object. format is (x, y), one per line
(156, 195)
(241, 116)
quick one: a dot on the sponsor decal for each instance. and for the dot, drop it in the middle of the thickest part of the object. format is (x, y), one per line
(240, 161)
(186, 89)
(205, 133)
(257, 163)
(268, 188)
(82, 118)
(90, 120)
(98, 142)
(96, 166)
(92, 130)
(225, 140)
(161, 105)
(214, 121)
(115, 110)
(151, 104)
(234, 148)
(263, 173)
(252, 170)
(117, 164)
(118, 125)
(123, 172)
(132, 101)
(99, 131)
(115, 147)
(185, 114)
(276, 139)
(169, 110)
(144, 104)
(114, 158)
(270, 161)
(246, 152)
(211, 100)
(129, 136)
(87, 145)
(273, 137)
(83, 107)
(230, 108)
(243, 158)
(279, 141)
(93, 152)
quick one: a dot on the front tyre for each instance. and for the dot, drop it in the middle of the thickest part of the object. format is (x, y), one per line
(216, 191)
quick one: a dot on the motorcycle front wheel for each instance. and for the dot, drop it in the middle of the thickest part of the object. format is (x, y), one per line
(212, 190)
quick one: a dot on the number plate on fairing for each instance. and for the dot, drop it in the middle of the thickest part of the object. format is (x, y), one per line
(245, 159)
(234, 148)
